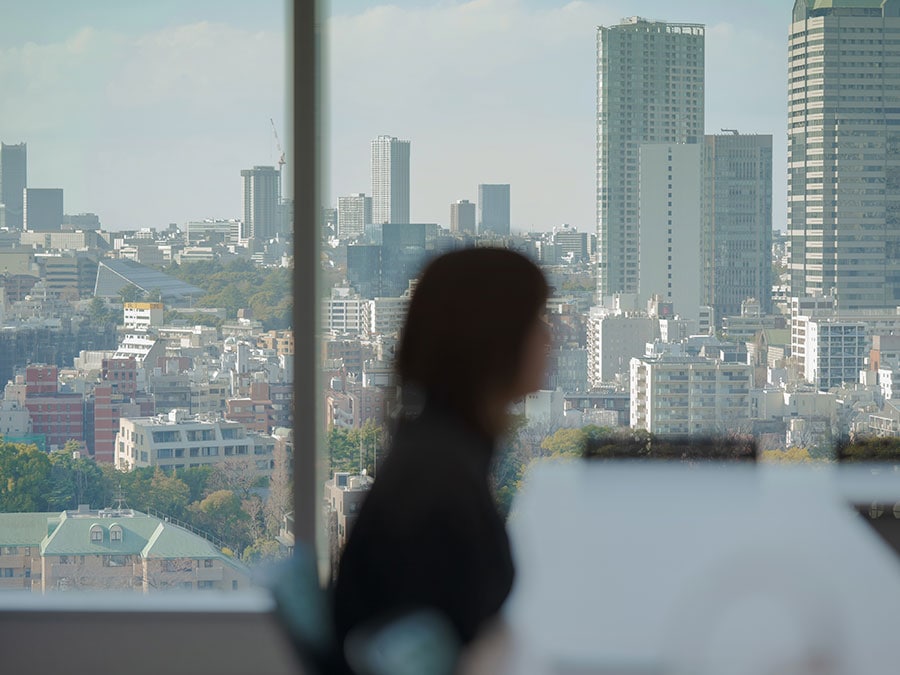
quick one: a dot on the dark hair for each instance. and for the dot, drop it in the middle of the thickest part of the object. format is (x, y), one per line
(466, 327)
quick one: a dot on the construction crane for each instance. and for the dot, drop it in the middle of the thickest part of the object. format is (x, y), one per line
(281, 159)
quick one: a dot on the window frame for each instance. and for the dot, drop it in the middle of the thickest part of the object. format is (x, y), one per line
(304, 54)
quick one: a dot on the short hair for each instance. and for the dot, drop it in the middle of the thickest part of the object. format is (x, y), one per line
(466, 327)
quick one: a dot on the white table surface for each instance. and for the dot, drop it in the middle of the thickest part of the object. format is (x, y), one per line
(665, 568)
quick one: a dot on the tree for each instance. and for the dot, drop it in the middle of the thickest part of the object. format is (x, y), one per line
(221, 514)
(566, 443)
(262, 551)
(341, 451)
(98, 313)
(256, 519)
(237, 474)
(131, 293)
(24, 478)
(76, 481)
(168, 494)
(197, 479)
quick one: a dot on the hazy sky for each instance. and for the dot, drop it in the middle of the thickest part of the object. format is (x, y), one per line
(146, 112)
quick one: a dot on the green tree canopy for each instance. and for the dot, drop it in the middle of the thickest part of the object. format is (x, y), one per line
(24, 478)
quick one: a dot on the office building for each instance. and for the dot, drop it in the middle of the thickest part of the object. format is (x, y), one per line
(81, 221)
(42, 209)
(650, 89)
(737, 226)
(364, 269)
(493, 209)
(262, 203)
(13, 181)
(403, 256)
(390, 180)
(844, 151)
(669, 226)
(354, 213)
(462, 216)
(570, 242)
(213, 231)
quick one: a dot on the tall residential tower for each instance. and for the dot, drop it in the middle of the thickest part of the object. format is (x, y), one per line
(354, 213)
(262, 203)
(650, 89)
(390, 180)
(844, 151)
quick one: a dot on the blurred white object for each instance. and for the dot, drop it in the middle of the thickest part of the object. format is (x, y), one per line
(666, 568)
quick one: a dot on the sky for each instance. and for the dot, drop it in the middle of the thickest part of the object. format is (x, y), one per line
(145, 113)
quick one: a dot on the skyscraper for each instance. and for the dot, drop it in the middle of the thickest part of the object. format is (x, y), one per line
(650, 89)
(462, 216)
(670, 216)
(354, 213)
(43, 209)
(262, 198)
(844, 151)
(390, 180)
(493, 209)
(737, 227)
(13, 181)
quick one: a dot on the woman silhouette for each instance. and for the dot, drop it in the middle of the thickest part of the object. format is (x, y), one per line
(429, 535)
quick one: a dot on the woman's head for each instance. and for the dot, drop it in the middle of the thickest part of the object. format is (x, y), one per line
(473, 336)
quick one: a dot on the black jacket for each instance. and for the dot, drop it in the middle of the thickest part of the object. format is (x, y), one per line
(428, 534)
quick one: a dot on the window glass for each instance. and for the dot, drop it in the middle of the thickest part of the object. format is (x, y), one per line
(701, 290)
(145, 324)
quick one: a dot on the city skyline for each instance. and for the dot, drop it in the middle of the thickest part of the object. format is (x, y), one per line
(93, 60)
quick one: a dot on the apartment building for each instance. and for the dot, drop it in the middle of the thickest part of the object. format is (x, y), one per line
(175, 442)
(110, 549)
(679, 395)
(835, 352)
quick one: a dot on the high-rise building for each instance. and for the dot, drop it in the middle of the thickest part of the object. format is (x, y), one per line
(43, 209)
(737, 227)
(403, 256)
(462, 216)
(650, 89)
(13, 181)
(844, 151)
(670, 216)
(354, 213)
(262, 203)
(493, 209)
(390, 180)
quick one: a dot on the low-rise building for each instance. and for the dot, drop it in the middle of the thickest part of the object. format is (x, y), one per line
(142, 315)
(174, 441)
(110, 549)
